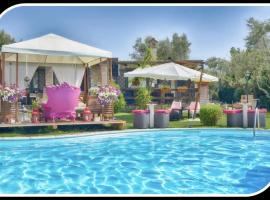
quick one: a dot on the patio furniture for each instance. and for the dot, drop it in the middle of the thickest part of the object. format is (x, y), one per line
(251, 115)
(176, 111)
(234, 118)
(248, 99)
(79, 109)
(62, 100)
(191, 108)
(161, 118)
(141, 119)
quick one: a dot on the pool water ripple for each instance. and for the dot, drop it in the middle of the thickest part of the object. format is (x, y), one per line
(160, 162)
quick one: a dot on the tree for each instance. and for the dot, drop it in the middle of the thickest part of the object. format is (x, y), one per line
(255, 58)
(140, 48)
(257, 37)
(146, 62)
(220, 67)
(5, 38)
(148, 58)
(178, 48)
(164, 49)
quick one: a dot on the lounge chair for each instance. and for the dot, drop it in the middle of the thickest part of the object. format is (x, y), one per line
(191, 108)
(176, 110)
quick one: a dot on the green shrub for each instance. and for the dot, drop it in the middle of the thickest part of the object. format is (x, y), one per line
(120, 104)
(210, 114)
(143, 97)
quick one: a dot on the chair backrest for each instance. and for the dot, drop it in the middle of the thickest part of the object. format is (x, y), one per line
(244, 98)
(63, 98)
(176, 105)
(192, 105)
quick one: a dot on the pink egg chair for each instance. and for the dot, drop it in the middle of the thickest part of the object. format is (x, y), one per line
(62, 100)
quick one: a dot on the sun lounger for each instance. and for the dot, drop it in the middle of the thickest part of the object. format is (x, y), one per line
(191, 108)
(176, 110)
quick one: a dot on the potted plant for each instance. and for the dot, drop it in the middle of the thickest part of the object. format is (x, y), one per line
(35, 105)
(165, 88)
(9, 96)
(93, 91)
(107, 95)
(35, 111)
(136, 81)
(92, 98)
(182, 89)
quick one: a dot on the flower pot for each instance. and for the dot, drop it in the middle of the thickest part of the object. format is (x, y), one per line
(7, 112)
(94, 105)
(165, 90)
(107, 111)
(182, 89)
(136, 82)
(35, 116)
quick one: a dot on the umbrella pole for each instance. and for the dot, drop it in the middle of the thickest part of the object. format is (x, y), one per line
(198, 93)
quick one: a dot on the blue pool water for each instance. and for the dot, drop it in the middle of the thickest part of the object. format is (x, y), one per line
(159, 162)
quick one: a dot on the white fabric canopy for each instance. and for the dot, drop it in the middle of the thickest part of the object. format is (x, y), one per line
(24, 70)
(170, 71)
(65, 56)
(52, 48)
(72, 74)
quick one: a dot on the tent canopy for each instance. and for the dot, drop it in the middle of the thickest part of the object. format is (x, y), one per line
(170, 71)
(66, 57)
(52, 48)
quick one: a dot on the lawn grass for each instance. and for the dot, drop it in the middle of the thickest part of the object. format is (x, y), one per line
(128, 117)
(184, 123)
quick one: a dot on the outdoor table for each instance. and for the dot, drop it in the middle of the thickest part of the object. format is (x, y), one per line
(161, 118)
(251, 115)
(234, 118)
(140, 118)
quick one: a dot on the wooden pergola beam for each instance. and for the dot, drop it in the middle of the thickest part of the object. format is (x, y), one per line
(17, 85)
(110, 69)
(85, 85)
(198, 93)
(3, 68)
(17, 70)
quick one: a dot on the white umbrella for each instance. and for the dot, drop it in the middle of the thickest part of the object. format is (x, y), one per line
(170, 71)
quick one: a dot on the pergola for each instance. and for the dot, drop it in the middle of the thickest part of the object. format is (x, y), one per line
(56, 50)
(53, 49)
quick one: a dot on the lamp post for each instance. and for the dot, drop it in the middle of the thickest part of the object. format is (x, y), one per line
(247, 77)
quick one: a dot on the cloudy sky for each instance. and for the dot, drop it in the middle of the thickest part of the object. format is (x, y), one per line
(212, 30)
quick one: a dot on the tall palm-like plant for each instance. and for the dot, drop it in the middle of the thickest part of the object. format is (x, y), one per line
(146, 62)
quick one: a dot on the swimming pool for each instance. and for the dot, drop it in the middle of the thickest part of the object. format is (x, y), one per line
(191, 161)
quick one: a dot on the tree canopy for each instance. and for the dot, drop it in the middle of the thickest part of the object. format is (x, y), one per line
(255, 59)
(5, 38)
(178, 48)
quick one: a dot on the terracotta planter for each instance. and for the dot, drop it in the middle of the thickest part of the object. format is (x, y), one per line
(108, 111)
(165, 90)
(94, 105)
(7, 112)
(182, 89)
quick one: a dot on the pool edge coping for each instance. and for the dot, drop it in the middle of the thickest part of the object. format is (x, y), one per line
(112, 132)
